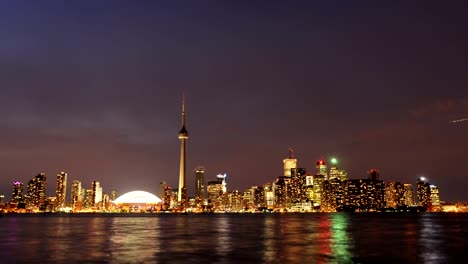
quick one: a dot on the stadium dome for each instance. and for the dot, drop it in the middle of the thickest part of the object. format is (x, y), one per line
(137, 197)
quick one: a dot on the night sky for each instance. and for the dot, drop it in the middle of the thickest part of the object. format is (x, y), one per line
(94, 88)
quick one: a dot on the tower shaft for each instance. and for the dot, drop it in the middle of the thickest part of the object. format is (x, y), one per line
(183, 136)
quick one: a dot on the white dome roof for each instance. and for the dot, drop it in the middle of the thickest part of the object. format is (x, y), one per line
(137, 197)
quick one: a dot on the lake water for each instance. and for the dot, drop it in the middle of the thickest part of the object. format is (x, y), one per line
(235, 238)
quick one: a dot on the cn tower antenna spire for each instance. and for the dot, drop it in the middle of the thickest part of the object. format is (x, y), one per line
(183, 109)
(291, 153)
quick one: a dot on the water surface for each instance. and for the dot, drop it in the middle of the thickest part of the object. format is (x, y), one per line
(235, 238)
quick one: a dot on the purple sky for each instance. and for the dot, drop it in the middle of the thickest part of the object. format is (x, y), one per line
(94, 89)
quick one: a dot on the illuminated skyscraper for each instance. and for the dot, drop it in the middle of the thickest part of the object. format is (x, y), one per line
(61, 190)
(200, 183)
(222, 177)
(408, 195)
(280, 192)
(335, 172)
(318, 189)
(423, 192)
(289, 163)
(435, 198)
(322, 169)
(215, 194)
(183, 136)
(297, 191)
(394, 194)
(37, 190)
(332, 195)
(17, 194)
(76, 197)
(96, 195)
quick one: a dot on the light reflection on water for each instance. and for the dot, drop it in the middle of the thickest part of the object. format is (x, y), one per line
(226, 238)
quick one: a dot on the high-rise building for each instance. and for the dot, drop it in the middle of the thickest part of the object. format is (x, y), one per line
(269, 196)
(61, 190)
(322, 169)
(76, 197)
(235, 201)
(364, 195)
(222, 177)
(297, 190)
(215, 194)
(182, 198)
(374, 174)
(88, 199)
(113, 196)
(408, 195)
(17, 194)
(318, 189)
(332, 195)
(200, 183)
(96, 195)
(423, 192)
(162, 190)
(289, 163)
(280, 191)
(37, 191)
(335, 172)
(394, 195)
(259, 197)
(435, 198)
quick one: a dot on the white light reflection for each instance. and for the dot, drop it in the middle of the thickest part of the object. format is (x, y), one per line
(430, 238)
(224, 240)
(269, 240)
(135, 239)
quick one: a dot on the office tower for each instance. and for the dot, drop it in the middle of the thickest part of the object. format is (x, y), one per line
(215, 192)
(37, 191)
(298, 185)
(374, 174)
(309, 187)
(408, 195)
(423, 192)
(200, 183)
(76, 196)
(363, 195)
(235, 201)
(166, 198)
(113, 196)
(332, 194)
(88, 199)
(394, 195)
(318, 189)
(335, 172)
(17, 194)
(222, 177)
(280, 192)
(96, 195)
(183, 136)
(105, 201)
(61, 190)
(435, 198)
(269, 196)
(289, 163)
(162, 190)
(322, 169)
(259, 198)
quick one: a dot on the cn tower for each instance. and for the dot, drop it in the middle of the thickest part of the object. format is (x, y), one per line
(183, 136)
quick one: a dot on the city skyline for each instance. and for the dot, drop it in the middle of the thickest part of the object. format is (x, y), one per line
(93, 90)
